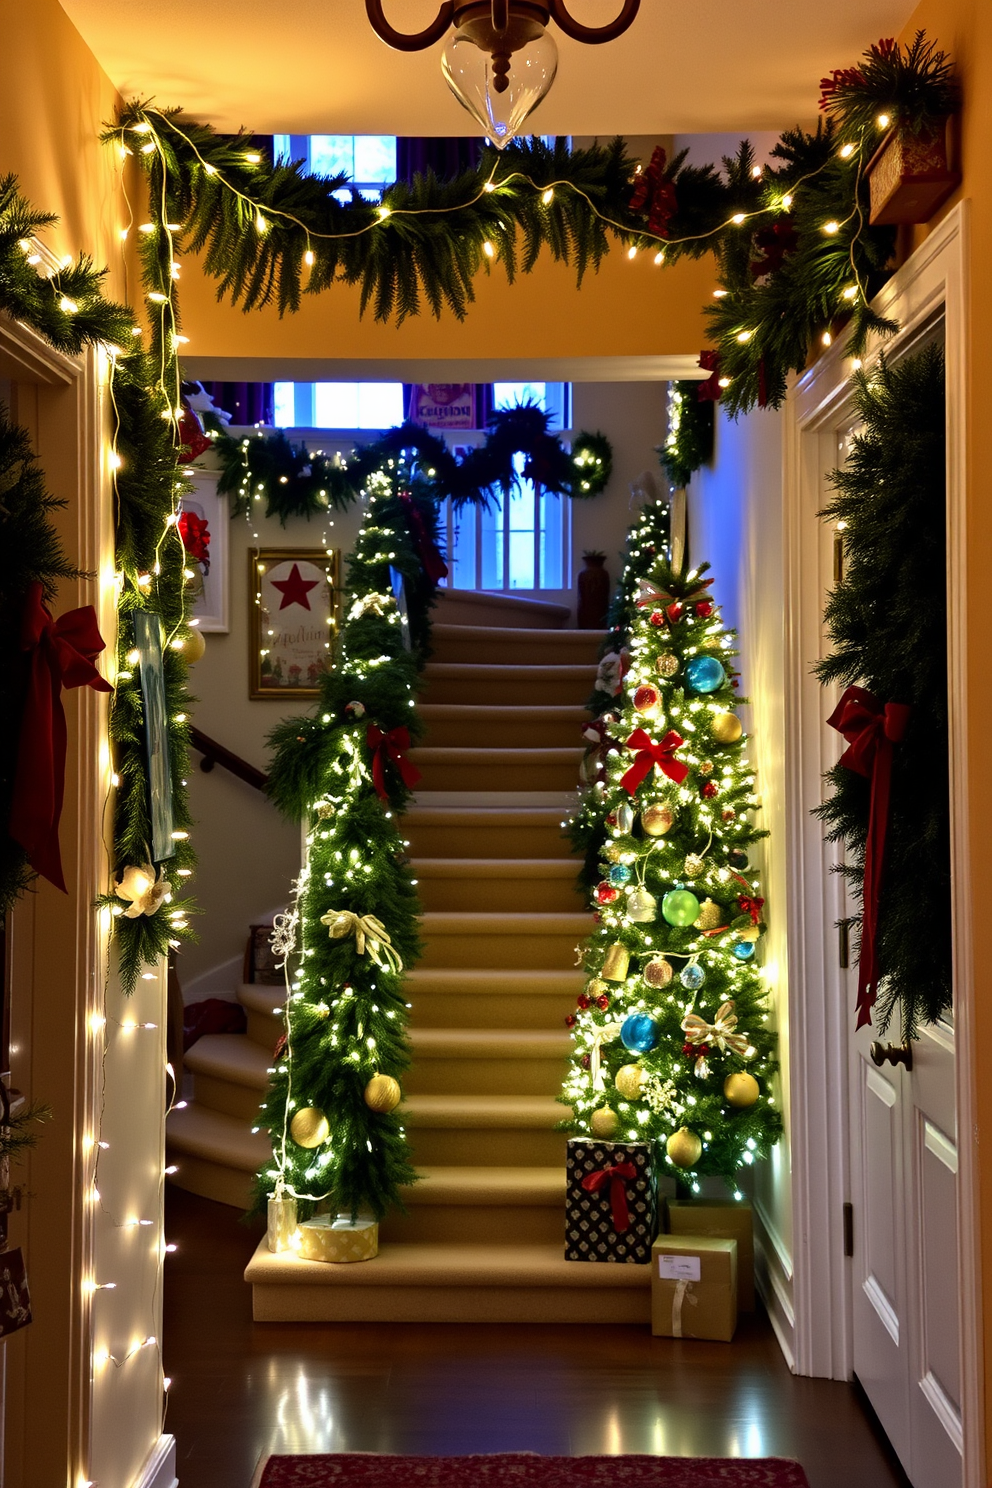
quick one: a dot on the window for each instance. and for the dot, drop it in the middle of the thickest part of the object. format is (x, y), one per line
(368, 159)
(338, 405)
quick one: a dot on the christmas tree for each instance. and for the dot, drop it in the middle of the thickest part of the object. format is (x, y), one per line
(670, 1037)
(331, 1106)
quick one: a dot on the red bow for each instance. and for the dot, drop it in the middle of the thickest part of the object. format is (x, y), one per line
(652, 190)
(871, 730)
(710, 390)
(649, 753)
(753, 907)
(426, 548)
(61, 655)
(617, 1177)
(392, 746)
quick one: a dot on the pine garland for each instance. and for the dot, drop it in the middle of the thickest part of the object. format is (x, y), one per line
(346, 1016)
(660, 1073)
(888, 622)
(689, 442)
(295, 482)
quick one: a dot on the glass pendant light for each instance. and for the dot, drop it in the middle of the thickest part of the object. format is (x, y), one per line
(500, 75)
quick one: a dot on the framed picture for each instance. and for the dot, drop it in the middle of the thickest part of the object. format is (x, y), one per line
(149, 639)
(293, 600)
(203, 525)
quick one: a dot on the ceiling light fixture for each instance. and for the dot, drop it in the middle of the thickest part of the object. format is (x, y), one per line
(500, 61)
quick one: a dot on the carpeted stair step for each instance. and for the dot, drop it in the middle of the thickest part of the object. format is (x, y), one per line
(467, 997)
(469, 682)
(493, 643)
(479, 608)
(481, 1206)
(497, 769)
(526, 941)
(483, 726)
(486, 1061)
(486, 831)
(216, 1155)
(484, 1130)
(230, 1074)
(264, 1005)
(544, 884)
(409, 1283)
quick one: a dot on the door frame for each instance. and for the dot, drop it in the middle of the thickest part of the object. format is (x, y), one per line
(934, 279)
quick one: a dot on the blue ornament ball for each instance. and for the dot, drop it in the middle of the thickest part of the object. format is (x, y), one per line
(680, 907)
(744, 950)
(705, 674)
(692, 976)
(619, 874)
(639, 1033)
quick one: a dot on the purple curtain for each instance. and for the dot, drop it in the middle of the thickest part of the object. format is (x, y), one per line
(446, 157)
(246, 402)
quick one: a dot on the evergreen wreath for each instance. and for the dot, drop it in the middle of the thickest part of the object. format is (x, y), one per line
(689, 442)
(887, 618)
(295, 482)
(343, 771)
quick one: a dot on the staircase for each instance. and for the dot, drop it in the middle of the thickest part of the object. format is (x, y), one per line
(483, 1235)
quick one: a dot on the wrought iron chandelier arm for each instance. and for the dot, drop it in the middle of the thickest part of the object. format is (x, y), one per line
(400, 40)
(578, 32)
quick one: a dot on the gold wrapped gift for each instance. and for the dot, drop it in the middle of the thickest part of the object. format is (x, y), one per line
(339, 1240)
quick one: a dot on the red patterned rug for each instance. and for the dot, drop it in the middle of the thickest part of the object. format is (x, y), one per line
(528, 1470)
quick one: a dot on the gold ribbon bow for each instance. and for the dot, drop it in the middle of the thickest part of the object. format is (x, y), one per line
(368, 931)
(720, 1032)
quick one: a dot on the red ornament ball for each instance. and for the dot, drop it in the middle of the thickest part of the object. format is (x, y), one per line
(657, 617)
(646, 698)
(585, 1061)
(606, 893)
(603, 1001)
(570, 1020)
(597, 918)
(704, 609)
(728, 813)
(611, 819)
(582, 1001)
(708, 790)
(674, 612)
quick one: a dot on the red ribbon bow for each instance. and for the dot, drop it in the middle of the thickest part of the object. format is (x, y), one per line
(710, 390)
(753, 907)
(617, 1177)
(61, 655)
(427, 549)
(649, 753)
(871, 729)
(391, 746)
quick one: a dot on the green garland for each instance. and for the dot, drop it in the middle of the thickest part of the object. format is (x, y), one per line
(71, 313)
(888, 622)
(689, 443)
(295, 482)
(346, 1016)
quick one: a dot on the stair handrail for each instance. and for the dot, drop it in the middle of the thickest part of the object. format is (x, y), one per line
(218, 754)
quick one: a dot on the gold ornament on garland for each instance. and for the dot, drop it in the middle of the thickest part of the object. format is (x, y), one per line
(383, 1093)
(657, 818)
(604, 1122)
(726, 728)
(596, 988)
(741, 1089)
(309, 1128)
(628, 1080)
(684, 1148)
(194, 647)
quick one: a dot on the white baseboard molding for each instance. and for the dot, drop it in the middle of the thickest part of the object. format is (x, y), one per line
(160, 1469)
(773, 1279)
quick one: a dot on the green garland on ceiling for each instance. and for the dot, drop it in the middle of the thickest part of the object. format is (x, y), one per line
(296, 482)
(67, 307)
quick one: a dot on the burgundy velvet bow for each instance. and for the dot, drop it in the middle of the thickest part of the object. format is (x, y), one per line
(871, 729)
(649, 753)
(752, 907)
(617, 1177)
(391, 746)
(427, 549)
(61, 655)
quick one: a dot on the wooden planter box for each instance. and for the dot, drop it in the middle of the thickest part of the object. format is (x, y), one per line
(910, 175)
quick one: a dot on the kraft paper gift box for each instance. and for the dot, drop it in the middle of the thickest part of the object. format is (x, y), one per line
(726, 1220)
(693, 1287)
(610, 1215)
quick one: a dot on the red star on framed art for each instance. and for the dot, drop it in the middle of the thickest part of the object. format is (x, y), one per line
(295, 589)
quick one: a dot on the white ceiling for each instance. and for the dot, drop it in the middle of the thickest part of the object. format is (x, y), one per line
(315, 67)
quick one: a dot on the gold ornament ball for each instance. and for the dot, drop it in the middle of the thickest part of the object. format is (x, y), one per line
(693, 865)
(751, 933)
(604, 1122)
(309, 1128)
(667, 664)
(596, 988)
(194, 647)
(726, 728)
(684, 1148)
(658, 972)
(383, 1093)
(611, 852)
(657, 819)
(628, 1081)
(710, 916)
(740, 1089)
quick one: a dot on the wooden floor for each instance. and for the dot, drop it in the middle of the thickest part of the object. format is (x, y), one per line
(242, 1390)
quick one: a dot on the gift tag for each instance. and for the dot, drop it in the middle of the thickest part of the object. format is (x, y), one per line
(15, 1303)
(679, 1267)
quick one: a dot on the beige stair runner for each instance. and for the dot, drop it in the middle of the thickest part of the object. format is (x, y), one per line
(483, 1235)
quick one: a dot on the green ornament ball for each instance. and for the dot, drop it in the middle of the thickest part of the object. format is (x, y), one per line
(680, 907)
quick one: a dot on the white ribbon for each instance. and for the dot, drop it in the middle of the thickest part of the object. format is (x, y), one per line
(720, 1032)
(683, 1293)
(604, 1035)
(368, 931)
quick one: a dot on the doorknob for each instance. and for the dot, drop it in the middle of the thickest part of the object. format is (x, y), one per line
(892, 1054)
